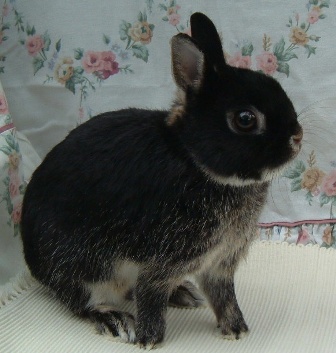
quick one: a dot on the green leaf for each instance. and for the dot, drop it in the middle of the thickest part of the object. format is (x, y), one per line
(322, 17)
(295, 171)
(58, 45)
(279, 48)
(288, 55)
(11, 142)
(5, 26)
(78, 70)
(106, 39)
(313, 2)
(303, 25)
(77, 78)
(310, 50)
(16, 230)
(144, 16)
(70, 85)
(283, 68)
(37, 64)
(247, 49)
(151, 26)
(10, 206)
(163, 7)
(290, 20)
(309, 197)
(296, 185)
(324, 3)
(140, 52)
(165, 18)
(79, 52)
(46, 40)
(140, 17)
(324, 199)
(2, 69)
(6, 150)
(299, 165)
(123, 30)
(23, 188)
(150, 4)
(30, 30)
(126, 69)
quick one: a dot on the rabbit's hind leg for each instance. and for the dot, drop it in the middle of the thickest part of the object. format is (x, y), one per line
(186, 296)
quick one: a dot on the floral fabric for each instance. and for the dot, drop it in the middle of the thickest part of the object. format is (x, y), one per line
(63, 62)
(11, 173)
(12, 187)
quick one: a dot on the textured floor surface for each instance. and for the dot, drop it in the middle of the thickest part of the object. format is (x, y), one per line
(287, 294)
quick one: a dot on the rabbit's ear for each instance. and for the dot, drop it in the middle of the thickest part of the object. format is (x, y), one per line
(187, 62)
(205, 34)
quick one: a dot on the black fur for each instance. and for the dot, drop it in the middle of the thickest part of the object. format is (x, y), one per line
(140, 186)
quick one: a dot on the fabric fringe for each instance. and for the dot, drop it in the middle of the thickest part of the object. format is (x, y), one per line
(16, 287)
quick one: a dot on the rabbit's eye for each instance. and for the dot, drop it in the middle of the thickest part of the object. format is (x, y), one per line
(245, 121)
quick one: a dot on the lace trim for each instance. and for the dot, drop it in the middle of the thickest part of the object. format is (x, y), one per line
(322, 234)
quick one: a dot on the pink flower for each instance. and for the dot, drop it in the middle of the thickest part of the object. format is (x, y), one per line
(14, 186)
(304, 237)
(313, 16)
(3, 105)
(34, 44)
(173, 9)
(5, 10)
(102, 64)
(16, 214)
(238, 60)
(81, 113)
(110, 66)
(174, 19)
(92, 62)
(267, 62)
(329, 184)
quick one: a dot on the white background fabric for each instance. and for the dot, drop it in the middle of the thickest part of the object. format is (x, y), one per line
(45, 112)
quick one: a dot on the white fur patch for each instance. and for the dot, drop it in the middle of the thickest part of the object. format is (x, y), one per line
(266, 176)
(112, 292)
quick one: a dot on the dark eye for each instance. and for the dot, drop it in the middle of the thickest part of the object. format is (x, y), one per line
(245, 121)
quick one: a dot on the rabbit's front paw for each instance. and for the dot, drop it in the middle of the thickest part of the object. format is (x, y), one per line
(149, 342)
(150, 336)
(119, 324)
(233, 329)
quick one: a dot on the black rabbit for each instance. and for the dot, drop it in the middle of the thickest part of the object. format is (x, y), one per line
(136, 200)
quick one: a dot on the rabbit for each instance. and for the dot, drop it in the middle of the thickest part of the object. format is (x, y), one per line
(133, 202)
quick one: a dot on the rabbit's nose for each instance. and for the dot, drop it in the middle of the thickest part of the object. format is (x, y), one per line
(298, 137)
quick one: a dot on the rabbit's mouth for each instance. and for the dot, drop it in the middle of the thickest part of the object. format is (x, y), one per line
(296, 143)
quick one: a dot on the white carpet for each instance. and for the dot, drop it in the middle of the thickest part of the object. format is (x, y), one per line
(287, 294)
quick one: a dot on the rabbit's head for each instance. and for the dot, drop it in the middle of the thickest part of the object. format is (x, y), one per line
(238, 125)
